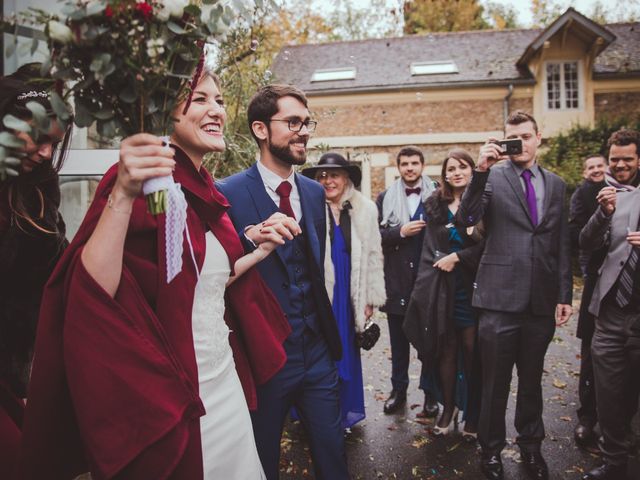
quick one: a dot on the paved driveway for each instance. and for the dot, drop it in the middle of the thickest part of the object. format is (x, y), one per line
(400, 446)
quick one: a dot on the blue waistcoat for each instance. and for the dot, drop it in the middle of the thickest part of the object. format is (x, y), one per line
(303, 306)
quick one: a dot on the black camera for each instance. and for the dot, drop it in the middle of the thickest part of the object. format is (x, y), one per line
(510, 147)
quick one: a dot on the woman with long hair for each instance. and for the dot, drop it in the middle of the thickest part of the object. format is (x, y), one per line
(139, 377)
(440, 321)
(32, 238)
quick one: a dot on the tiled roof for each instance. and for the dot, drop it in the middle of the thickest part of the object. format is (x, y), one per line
(483, 58)
(623, 55)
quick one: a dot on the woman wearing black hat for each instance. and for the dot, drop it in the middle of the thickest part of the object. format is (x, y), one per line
(354, 275)
(32, 237)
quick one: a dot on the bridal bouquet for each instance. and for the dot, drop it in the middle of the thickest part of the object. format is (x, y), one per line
(126, 65)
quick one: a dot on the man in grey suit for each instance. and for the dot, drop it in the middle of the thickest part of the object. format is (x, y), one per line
(523, 281)
(616, 305)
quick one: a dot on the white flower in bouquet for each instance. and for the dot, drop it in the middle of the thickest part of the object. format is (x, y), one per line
(171, 8)
(59, 32)
(155, 47)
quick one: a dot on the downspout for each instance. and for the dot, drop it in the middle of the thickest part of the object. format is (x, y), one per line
(505, 103)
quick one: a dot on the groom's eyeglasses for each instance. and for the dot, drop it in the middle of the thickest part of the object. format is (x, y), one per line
(295, 124)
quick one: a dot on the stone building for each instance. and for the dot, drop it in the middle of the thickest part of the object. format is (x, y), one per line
(441, 90)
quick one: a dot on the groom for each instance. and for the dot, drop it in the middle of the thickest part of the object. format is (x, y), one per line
(270, 201)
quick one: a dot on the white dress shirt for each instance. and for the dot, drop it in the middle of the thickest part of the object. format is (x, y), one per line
(413, 201)
(272, 180)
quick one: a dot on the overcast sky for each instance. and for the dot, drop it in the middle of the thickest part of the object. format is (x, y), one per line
(523, 7)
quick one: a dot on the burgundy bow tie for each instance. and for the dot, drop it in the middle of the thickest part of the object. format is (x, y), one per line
(409, 191)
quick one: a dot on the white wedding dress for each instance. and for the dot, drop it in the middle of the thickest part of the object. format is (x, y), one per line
(228, 446)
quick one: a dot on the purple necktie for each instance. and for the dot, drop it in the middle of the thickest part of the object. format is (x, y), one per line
(530, 195)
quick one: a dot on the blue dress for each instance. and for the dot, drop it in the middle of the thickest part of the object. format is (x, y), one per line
(349, 367)
(463, 315)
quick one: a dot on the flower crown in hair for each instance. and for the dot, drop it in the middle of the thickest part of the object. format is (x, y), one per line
(33, 94)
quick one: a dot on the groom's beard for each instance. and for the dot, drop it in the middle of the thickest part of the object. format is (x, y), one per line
(286, 154)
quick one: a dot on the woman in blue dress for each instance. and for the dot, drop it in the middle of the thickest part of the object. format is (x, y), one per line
(354, 275)
(440, 321)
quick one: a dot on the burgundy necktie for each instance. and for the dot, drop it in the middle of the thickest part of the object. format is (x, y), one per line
(284, 191)
(409, 191)
(530, 195)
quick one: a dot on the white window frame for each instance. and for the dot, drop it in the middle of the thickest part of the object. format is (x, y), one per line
(334, 74)
(563, 96)
(441, 67)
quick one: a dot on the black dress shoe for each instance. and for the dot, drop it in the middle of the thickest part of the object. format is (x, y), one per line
(535, 465)
(395, 401)
(607, 471)
(430, 408)
(491, 467)
(583, 435)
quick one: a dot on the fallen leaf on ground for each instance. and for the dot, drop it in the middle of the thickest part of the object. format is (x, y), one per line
(559, 383)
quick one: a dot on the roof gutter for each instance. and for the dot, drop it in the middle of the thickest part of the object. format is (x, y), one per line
(412, 87)
(505, 102)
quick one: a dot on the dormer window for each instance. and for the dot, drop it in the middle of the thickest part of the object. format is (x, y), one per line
(433, 68)
(563, 85)
(332, 74)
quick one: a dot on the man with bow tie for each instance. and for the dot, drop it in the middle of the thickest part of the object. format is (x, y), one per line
(402, 222)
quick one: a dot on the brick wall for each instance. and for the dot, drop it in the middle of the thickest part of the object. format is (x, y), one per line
(614, 105)
(412, 118)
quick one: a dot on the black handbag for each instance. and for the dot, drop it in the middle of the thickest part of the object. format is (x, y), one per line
(367, 339)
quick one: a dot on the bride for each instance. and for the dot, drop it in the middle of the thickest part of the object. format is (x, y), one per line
(135, 377)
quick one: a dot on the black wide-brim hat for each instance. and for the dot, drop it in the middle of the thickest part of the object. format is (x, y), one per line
(333, 161)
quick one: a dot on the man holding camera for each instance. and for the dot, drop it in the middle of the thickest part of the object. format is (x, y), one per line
(523, 282)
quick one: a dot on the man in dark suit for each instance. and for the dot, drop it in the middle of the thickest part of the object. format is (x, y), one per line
(266, 201)
(583, 204)
(616, 305)
(523, 281)
(402, 220)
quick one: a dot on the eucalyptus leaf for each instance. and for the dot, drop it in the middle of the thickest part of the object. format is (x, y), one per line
(175, 28)
(96, 64)
(14, 123)
(109, 69)
(128, 95)
(93, 8)
(37, 110)
(83, 117)
(68, 9)
(8, 139)
(11, 172)
(104, 114)
(59, 106)
(107, 129)
(13, 161)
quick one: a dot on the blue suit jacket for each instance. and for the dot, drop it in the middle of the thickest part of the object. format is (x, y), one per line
(250, 205)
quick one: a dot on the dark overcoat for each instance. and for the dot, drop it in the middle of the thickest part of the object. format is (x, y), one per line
(429, 321)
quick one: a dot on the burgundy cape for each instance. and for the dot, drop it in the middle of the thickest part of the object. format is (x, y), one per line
(114, 387)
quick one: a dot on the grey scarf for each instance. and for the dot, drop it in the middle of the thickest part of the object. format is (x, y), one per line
(394, 206)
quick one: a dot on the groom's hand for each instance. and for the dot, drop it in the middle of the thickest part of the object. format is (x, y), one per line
(276, 229)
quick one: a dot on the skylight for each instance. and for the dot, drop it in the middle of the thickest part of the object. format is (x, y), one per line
(433, 68)
(328, 75)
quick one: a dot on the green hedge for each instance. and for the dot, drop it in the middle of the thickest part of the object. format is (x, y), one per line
(564, 153)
